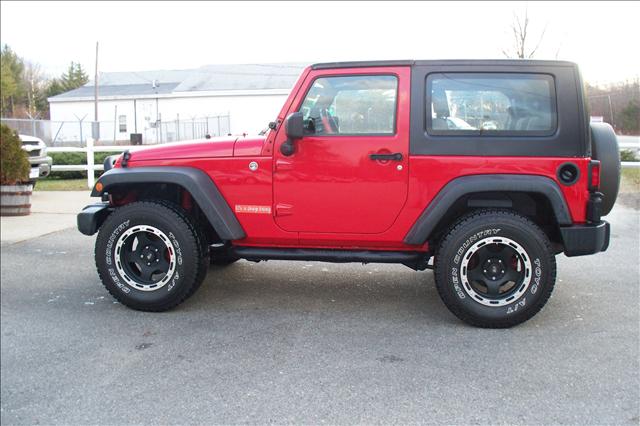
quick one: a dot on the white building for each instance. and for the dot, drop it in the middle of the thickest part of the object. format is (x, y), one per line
(177, 105)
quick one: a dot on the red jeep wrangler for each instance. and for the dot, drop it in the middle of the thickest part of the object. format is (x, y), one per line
(481, 170)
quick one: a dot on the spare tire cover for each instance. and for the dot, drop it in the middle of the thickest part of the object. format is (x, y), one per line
(604, 148)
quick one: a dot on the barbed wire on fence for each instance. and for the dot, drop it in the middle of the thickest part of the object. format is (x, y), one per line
(75, 133)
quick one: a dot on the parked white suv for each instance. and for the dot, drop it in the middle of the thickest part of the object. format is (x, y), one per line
(37, 151)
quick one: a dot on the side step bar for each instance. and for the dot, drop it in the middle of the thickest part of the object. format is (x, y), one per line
(415, 260)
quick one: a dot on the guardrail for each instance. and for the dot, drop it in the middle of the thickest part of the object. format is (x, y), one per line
(90, 167)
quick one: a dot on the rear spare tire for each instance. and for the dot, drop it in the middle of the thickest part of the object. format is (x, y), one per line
(604, 148)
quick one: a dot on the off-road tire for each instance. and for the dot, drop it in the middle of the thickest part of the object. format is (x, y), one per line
(191, 254)
(483, 227)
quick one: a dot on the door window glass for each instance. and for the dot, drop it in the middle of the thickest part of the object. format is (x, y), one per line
(352, 105)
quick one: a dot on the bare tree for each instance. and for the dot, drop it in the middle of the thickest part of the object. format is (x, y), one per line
(521, 31)
(35, 85)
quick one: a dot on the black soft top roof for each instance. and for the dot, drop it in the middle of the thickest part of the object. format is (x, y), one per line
(398, 63)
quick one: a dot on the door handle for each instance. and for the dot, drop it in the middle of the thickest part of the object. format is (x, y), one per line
(397, 156)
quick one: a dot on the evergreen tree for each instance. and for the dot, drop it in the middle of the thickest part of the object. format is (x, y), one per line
(74, 77)
(12, 69)
(8, 87)
(55, 87)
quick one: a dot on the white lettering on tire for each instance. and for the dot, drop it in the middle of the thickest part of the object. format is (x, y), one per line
(117, 282)
(456, 283)
(537, 275)
(112, 239)
(514, 308)
(176, 245)
(472, 239)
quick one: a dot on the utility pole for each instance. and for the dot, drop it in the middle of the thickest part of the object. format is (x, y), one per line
(95, 129)
(115, 123)
(610, 110)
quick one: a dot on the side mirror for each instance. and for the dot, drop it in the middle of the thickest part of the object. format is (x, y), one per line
(294, 125)
(294, 129)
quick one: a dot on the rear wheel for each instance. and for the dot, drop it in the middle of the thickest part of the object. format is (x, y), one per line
(150, 255)
(495, 269)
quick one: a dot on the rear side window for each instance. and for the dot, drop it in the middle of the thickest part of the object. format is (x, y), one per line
(492, 104)
(353, 105)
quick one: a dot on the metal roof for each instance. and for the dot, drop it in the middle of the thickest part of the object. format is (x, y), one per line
(242, 77)
(181, 82)
(127, 90)
(141, 77)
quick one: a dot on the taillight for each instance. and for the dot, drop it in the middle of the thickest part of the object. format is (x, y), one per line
(594, 175)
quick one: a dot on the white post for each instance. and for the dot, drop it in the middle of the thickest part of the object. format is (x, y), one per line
(90, 171)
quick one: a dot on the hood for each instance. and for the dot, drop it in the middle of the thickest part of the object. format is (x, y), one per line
(248, 146)
(226, 146)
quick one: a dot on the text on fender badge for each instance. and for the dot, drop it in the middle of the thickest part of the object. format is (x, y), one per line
(243, 208)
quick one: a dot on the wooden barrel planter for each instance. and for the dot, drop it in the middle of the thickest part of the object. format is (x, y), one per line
(15, 200)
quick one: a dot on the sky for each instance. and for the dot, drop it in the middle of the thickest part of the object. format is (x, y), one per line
(602, 37)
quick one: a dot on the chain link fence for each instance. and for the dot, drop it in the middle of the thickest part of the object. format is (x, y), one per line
(181, 130)
(59, 133)
(75, 133)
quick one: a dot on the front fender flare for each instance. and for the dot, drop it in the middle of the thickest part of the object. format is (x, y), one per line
(195, 181)
(465, 185)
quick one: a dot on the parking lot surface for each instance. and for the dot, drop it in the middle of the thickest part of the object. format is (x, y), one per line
(307, 342)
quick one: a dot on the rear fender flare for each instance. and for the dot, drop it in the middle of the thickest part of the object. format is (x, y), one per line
(466, 185)
(195, 181)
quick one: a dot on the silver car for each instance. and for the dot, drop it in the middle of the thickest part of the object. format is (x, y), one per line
(37, 151)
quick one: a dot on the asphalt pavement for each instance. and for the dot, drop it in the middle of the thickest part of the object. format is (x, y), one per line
(310, 342)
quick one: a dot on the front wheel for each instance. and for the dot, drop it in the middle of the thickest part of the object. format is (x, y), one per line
(150, 256)
(495, 269)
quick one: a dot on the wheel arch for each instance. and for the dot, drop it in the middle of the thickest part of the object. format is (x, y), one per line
(195, 182)
(517, 192)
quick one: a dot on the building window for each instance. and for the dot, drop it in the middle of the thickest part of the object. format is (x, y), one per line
(491, 104)
(122, 122)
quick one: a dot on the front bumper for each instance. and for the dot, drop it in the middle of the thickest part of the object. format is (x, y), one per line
(91, 217)
(40, 167)
(580, 240)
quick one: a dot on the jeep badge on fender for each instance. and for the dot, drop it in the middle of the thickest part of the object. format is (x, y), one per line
(483, 170)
